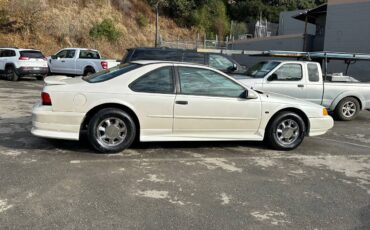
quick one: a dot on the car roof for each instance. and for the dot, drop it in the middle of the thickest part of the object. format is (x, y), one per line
(149, 62)
(19, 49)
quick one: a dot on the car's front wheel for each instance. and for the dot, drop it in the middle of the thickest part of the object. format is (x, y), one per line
(111, 130)
(286, 131)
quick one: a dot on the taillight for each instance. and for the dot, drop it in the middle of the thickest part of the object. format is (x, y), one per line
(45, 98)
(24, 58)
(104, 64)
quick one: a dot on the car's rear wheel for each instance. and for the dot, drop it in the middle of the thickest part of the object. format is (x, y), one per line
(286, 131)
(88, 71)
(10, 74)
(347, 109)
(40, 78)
(111, 130)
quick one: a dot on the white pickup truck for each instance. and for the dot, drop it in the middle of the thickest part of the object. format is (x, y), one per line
(78, 61)
(302, 79)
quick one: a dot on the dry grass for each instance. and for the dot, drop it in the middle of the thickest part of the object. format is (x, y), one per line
(66, 23)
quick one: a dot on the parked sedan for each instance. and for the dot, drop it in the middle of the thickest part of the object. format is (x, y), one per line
(168, 101)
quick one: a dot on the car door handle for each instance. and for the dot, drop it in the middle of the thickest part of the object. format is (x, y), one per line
(300, 86)
(181, 102)
(63, 61)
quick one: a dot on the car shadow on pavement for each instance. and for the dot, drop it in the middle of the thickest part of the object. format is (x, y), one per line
(15, 133)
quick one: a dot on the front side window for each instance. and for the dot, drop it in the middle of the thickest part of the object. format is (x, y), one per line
(62, 54)
(219, 62)
(288, 72)
(111, 73)
(157, 81)
(197, 81)
(89, 54)
(313, 72)
(71, 54)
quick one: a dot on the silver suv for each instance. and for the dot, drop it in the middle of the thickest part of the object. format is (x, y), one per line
(16, 63)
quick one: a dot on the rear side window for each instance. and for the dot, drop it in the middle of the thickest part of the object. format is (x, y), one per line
(7, 53)
(111, 73)
(89, 54)
(157, 81)
(193, 57)
(164, 55)
(313, 72)
(31, 54)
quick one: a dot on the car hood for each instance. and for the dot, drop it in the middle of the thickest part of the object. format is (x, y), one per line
(284, 99)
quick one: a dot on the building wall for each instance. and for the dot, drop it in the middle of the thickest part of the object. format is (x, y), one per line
(348, 30)
(289, 25)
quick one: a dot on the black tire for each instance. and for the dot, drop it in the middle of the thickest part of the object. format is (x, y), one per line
(347, 109)
(11, 74)
(40, 78)
(103, 145)
(273, 136)
(88, 71)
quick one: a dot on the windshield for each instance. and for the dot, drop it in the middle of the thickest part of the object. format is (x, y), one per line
(261, 69)
(32, 54)
(111, 73)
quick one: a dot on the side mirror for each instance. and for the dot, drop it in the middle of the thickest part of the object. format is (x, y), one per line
(273, 77)
(249, 94)
(53, 57)
(232, 68)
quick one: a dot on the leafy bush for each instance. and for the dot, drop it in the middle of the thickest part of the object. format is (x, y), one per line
(142, 21)
(105, 29)
(212, 18)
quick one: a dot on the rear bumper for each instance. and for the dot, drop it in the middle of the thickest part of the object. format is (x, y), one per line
(57, 125)
(32, 71)
(319, 126)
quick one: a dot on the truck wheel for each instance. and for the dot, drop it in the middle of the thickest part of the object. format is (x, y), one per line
(88, 71)
(286, 131)
(10, 74)
(347, 109)
(40, 78)
(111, 130)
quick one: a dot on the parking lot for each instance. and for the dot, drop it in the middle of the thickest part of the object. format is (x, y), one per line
(51, 184)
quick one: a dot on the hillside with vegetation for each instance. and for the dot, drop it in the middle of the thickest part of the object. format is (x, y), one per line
(115, 25)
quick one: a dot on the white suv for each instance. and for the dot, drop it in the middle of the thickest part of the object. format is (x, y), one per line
(16, 63)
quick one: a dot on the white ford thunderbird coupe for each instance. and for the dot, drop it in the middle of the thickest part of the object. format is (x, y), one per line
(166, 101)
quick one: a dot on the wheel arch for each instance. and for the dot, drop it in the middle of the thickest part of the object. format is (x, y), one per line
(88, 67)
(9, 65)
(122, 107)
(294, 110)
(354, 95)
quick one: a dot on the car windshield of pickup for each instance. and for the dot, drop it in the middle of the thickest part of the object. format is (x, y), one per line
(111, 73)
(261, 69)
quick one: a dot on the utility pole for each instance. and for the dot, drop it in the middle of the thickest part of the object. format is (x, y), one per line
(156, 42)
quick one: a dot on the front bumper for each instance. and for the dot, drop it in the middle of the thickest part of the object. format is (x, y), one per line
(57, 125)
(32, 71)
(319, 126)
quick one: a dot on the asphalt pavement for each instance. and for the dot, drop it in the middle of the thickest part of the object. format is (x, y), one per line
(54, 184)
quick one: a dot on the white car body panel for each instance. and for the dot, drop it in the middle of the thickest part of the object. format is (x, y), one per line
(160, 118)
